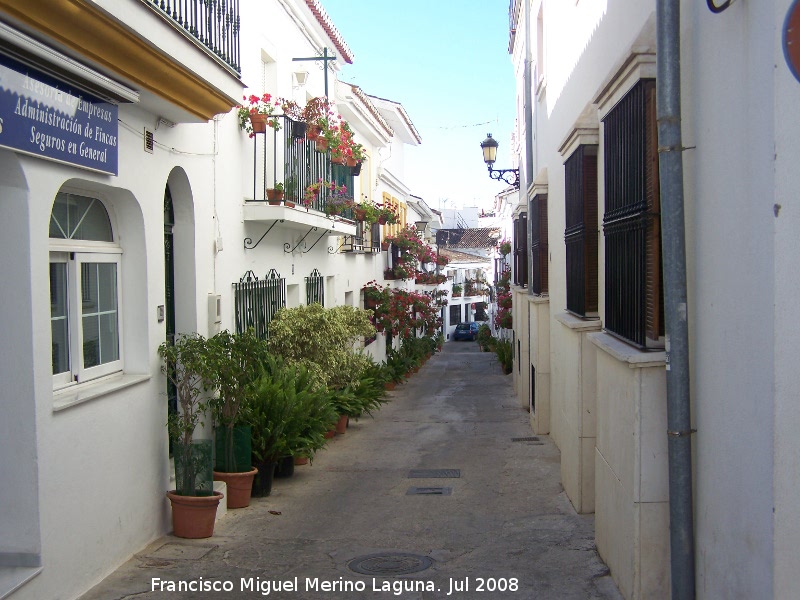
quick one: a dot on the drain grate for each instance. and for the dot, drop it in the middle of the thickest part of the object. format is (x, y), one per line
(390, 563)
(525, 439)
(434, 473)
(429, 491)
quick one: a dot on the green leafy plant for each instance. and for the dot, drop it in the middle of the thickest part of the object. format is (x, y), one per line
(323, 339)
(505, 354)
(505, 247)
(485, 338)
(232, 367)
(184, 363)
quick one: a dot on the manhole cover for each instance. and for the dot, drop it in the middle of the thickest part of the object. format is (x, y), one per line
(429, 491)
(434, 473)
(390, 563)
(525, 439)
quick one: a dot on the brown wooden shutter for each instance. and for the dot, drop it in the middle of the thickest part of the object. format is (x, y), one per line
(654, 296)
(539, 249)
(591, 233)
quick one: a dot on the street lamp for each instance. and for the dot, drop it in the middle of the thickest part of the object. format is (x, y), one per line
(489, 147)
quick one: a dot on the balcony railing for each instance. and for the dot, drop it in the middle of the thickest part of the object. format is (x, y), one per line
(213, 23)
(286, 156)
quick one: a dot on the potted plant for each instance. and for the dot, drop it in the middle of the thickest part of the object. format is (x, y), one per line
(505, 247)
(313, 113)
(256, 115)
(337, 205)
(268, 416)
(457, 289)
(275, 194)
(233, 369)
(357, 157)
(311, 416)
(194, 501)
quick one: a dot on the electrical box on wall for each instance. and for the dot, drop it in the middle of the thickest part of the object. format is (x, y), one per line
(214, 314)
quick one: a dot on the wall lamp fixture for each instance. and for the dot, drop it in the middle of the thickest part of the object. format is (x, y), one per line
(489, 147)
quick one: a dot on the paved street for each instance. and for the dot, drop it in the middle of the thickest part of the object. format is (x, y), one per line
(503, 524)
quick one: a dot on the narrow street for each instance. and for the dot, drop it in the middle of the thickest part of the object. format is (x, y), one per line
(495, 518)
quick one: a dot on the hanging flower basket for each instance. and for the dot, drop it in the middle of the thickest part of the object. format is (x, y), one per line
(360, 214)
(321, 144)
(351, 162)
(299, 130)
(355, 170)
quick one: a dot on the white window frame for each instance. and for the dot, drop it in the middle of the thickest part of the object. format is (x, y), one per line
(74, 253)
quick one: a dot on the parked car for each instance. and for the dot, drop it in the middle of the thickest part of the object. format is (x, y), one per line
(465, 331)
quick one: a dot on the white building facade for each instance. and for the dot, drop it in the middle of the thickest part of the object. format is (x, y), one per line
(134, 202)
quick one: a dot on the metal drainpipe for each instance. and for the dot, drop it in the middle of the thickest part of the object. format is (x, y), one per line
(670, 148)
(526, 181)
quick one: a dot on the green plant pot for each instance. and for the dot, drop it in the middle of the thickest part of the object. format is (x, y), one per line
(193, 469)
(233, 451)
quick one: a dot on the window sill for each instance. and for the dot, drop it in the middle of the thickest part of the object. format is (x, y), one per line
(635, 357)
(533, 299)
(586, 325)
(13, 578)
(84, 392)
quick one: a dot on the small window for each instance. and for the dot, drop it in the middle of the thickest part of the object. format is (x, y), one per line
(84, 291)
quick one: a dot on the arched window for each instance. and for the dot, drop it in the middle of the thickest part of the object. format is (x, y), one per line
(84, 291)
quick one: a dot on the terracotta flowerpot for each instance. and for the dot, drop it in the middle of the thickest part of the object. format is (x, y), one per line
(240, 486)
(360, 214)
(385, 245)
(300, 460)
(273, 194)
(321, 145)
(351, 162)
(193, 516)
(389, 386)
(258, 122)
(288, 204)
(329, 434)
(313, 132)
(341, 425)
(339, 160)
(382, 220)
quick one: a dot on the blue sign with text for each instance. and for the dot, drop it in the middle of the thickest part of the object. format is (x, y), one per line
(44, 117)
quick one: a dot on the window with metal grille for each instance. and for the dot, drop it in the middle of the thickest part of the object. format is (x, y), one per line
(256, 301)
(521, 250)
(580, 235)
(632, 220)
(539, 252)
(315, 288)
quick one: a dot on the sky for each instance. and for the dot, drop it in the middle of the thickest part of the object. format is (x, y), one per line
(447, 63)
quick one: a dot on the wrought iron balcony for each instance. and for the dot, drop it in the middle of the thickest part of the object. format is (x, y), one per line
(213, 23)
(285, 156)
